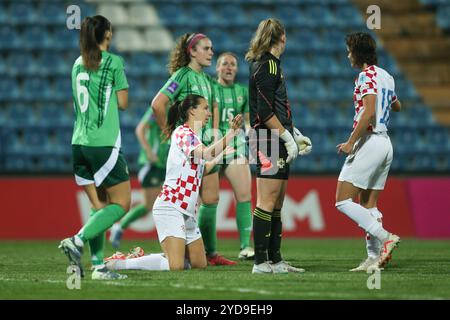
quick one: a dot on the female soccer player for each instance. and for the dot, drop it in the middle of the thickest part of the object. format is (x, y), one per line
(174, 211)
(232, 99)
(192, 53)
(152, 161)
(275, 145)
(369, 149)
(100, 88)
(175, 208)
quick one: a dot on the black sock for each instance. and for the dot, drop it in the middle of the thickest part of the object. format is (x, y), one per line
(261, 234)
(275, 237)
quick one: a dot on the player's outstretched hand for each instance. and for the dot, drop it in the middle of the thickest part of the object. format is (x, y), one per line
(290, 144)
(236, 122)
(303, 143)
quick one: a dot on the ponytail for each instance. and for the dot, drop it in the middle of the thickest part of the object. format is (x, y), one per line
(178, 113)
(92, 33)
(267, 35)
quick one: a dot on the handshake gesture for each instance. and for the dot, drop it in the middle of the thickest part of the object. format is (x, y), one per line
(296, 145)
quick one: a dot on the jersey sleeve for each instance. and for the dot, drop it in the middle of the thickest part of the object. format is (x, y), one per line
(174, 85)
(266, 78)
(366, 83)
(187, 141)
(120, 79)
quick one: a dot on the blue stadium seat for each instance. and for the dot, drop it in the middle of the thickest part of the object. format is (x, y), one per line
(9, 89)
(418, 115)
(310, 89)
(18, 163)
(10, 39)
(63, 89)
(139, 64)
(22, 13)
(36, 38)
(65, 39)
(171, 15)
(334, 40)
(22, 63)
(53, 13)
(437, 139)
(442, 16)
(54, 114)
(316, 16)
(53, 63)
(208, 15)
(291, 15)
(232, 16)
(304, 40)
(340, 90)
(347, 17)
(23, 114)
(37, 88)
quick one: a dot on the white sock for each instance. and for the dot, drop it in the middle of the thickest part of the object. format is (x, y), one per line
(373, 245)
(363, 218)
(151, 262)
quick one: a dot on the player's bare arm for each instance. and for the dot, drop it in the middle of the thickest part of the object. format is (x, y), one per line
(369, 102)
(159, 104)
(140, 131)
(396, 106)
(122, 99)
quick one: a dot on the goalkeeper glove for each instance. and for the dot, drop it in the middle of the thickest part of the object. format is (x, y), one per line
(290, 145)
(303, 143)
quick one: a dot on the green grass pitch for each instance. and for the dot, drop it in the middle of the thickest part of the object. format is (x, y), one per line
(419, 270)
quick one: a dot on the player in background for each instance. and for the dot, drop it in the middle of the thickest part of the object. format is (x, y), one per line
(270, 109)
(369, 150)
(100, 88)
(152, 162)
(232, 99)
(192, 53)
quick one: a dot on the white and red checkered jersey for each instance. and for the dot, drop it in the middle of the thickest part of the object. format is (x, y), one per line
(377, 81)
(183, 172)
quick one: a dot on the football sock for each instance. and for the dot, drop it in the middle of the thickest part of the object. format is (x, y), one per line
(101, 221)
(132, 215)
(151, 262)
(275, 237)
(97, 245)
(363, 218)
(207, 225)
(373, 245)
(244, 223)
(261, 234)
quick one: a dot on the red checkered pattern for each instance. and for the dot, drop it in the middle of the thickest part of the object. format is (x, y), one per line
(183, 194)
(364, 84)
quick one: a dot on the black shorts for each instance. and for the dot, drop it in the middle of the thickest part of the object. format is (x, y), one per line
(270, 154)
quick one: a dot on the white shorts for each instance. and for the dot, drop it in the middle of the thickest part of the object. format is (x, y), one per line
(170, 222)
(368, 166)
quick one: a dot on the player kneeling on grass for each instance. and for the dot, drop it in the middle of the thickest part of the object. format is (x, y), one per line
(174, 211)
(369, 150)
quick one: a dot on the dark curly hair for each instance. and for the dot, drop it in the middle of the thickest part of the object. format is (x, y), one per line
(363, 48)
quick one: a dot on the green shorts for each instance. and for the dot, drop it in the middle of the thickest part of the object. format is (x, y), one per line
(150, 176)
(104, 166)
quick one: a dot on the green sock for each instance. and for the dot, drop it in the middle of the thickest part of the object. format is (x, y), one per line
(97, 245)
(101, 221)
(132, 215)
(207, 225)
(244, 222)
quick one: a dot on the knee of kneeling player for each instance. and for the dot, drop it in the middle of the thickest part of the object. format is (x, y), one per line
(199, 264)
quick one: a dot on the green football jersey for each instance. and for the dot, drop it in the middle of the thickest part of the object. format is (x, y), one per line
(95, 102)
(186, 81)
(153, 136)
(232, 100)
